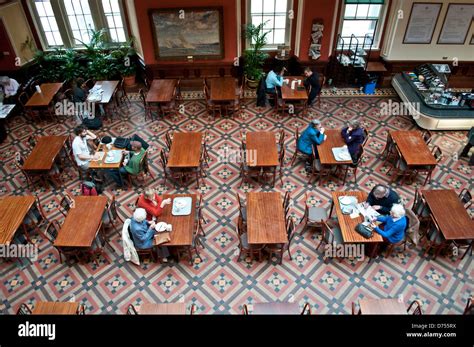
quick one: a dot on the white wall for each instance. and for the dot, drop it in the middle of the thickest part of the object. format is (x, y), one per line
(394, 49)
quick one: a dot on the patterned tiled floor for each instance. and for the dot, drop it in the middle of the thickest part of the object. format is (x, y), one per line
(220, 284)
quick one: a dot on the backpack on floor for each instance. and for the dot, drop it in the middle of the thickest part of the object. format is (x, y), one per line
(88, 189)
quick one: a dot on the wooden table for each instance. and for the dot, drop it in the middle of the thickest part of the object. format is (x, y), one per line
(450, 214)
(276, 308)
(109, 88)
(13, 210)
(43, 99)
(45, 153)
(82, 222)
(183, 226)
(222, 89)
(56, 308)
(382, 306)
(334, 139)
(413, 148)
(262, 151)
(174, 308)
(347, 224)
(289, 95)
(98, 165)
(161, 91)
(185, 150)
(265, 219)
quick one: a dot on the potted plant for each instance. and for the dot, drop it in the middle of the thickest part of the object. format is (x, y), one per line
(254, 57)
(125, 62)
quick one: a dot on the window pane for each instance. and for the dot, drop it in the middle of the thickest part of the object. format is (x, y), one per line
(89, 22)
(110, 21)
(50, 38)
(350, 11)
(45, 24)
(279, 36)
(280, 22)
(256, 20)
(269, 22)
(69, 8)
(281, 5)
(115, 5)
(73, 23)
(85, 7)
(362, 11)
(106, 6)
(268, 6)
(121, 35)
(57, 38)
(40, 9)
(374, 11)
(53, 24)
(113, 35)
(256, 6)
(118, 21)
(358, 27)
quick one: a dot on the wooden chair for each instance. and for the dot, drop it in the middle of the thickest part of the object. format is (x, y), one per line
(244, 247)
(403, 242)
(171, 106)
(122, 96)
(111, 215)
(459, 244)
(131, 309)
(469, 307)
(281, 140)
(355, 310)
(147, 84)
(415, 308)
(428, 169)
(290, 228)
(274, 97)
(278, 169)
(331, 236)
(196, 242)
(199, 216)
(297, 151)
(366, 137)
(318, 170)
(389, 152)
(354, 166)
(32, 141)
(168, 140)
(248, 172)
(81, 310)
(420, 208)
(51, 233)
(236, 105)
(146, 106)
(242, 209)
(65, 204)
(211, 106)
(24, 309)
(427, 136)
(313, 216)
(400, 168)
(167, 173)
(31, 179)
(466, 198)
(435, 239)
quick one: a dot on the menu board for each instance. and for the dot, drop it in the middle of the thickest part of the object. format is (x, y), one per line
(422, 22)
(456, 24)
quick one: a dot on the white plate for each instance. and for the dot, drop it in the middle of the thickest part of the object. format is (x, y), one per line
(346, 200)
(160, 227)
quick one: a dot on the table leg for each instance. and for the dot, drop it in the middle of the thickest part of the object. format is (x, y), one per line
(330, 211)
(274, 175)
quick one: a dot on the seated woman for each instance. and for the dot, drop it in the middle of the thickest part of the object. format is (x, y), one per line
(394, 225)
(152, 203)
(143, 233)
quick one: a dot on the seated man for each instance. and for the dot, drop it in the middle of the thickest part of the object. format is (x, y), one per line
(312, 79)
(274, 80)
(80, 148)
(152, 203)
(10, 88)
(313, 135)
(353, 136)
(382, 198)
(78, 94)
(131, 166)
(143, 233)
(394, 225)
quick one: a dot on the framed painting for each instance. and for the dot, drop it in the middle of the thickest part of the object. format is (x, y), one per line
(183, 32)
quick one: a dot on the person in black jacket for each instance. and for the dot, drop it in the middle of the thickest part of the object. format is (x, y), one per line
(467, 148)
(382, 198)
(312, 79)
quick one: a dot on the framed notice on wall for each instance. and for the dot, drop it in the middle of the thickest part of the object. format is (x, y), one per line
(456, 24)
(422, 22)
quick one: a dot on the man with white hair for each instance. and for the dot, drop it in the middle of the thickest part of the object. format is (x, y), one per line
(382, 198)
(143, 232)
(394, 225)
(9, 87)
